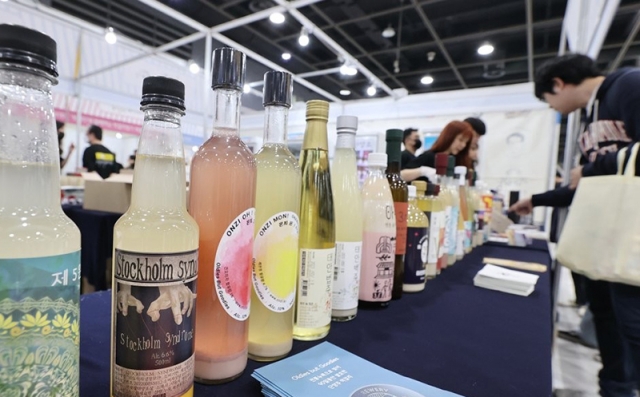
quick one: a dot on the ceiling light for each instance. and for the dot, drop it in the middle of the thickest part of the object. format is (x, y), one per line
(426, 80)
(118, 135)
(110, 35)
(246, 89)
(194, 149)
(286, 56)
(348, 70)
(485, 49)
(277, 18)
(345, 92)
(303, 40)
(372, 90)
(389, 32)
(193, 66)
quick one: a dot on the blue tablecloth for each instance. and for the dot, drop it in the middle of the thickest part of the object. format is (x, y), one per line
(96, 228)
(471, 341)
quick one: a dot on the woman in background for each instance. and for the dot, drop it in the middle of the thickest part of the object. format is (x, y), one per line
(63, 160)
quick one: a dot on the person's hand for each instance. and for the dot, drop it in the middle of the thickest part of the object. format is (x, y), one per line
(576, 174)
(124, 299)
(428, 172)
(174, 297)
(522, 207)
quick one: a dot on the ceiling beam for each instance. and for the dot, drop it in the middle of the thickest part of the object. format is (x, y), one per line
(529, 6)
(627, 43)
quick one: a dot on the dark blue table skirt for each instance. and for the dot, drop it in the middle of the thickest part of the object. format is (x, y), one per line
(96, 228)
(472, 341)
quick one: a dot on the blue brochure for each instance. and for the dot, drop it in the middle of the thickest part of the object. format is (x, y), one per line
(329, 371)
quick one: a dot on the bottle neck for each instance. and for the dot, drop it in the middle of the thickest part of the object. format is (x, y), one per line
(161, 132)
(346, 140)
(226, 112)
(315, 136)
(276, 119)
(376, 171)
(393, 153)
(393, 167)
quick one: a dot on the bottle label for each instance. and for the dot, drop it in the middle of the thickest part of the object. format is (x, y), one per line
(275, 261)
(436, 220)
(401, 210)
(376, 275)
(415, 260)
(445, 231)
(346, 275)
(468, 229)
(154, 323)
(460, 242)
(39, 325)
(314, 290)
(232, 270)
(453, 231)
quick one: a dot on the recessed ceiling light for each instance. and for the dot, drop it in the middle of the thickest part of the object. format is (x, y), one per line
(348, 70)
(389, 32)
(372, 90)
(110, 35)
(286, 56)
(426, 80)
(246, 89)
(485, 49)
(193, 66)
(277, 18)
(345, 92)
(303, 40)
(118, 135)
(194, 149)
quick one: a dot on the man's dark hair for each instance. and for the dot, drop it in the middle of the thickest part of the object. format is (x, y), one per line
(96, 131)
(477, 125)
(407, 133)
(570, 68)
(59, 124)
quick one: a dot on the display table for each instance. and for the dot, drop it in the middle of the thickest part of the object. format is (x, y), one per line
(96, 228)
(471, 341)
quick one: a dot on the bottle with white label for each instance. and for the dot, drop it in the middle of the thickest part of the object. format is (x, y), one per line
(312, 318)
(461, 174)
(415, 259)
(435, 213)
(447, 200)
(155, 259)
(221, 200)
(347, 200)
(379, 237)
(39, 245)
(452, 185)
(275, 252)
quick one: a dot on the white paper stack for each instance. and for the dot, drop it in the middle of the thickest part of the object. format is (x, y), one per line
(510, 281)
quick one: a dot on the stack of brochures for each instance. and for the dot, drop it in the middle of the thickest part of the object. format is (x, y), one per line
(329, 371)
(506, 280)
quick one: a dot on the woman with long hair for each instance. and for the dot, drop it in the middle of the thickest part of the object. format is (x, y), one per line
(454, 140)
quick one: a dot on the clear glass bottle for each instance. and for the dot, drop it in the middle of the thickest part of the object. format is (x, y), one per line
(221, 200)
(415, 259)
(435, 213)
(454, 190)
(312, 318)
(348, 205)
(39, 245)
(442, 160)
(155, 258)
(275, 250)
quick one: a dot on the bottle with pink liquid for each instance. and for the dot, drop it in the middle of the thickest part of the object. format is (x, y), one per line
(222, 196)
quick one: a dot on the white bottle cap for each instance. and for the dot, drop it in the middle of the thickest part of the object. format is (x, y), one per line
(461, 171)
(412, 191)
(377, 160)
(348, 123)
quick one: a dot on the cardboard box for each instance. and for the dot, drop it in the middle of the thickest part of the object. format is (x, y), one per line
(111, 195)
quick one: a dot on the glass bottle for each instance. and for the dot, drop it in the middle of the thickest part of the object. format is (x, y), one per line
(39, 245)
(442, 160)
(436, 215)
(415, 259)
(221, 200)
(454, 190)
(463, 218)
(155, 258)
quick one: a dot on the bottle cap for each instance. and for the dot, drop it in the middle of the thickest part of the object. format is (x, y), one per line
(421, 186)
(159, 90)
(432, 189)
(450, 165)
(347, 124)
(394, 135)
(377, 160)
(227, 69)
(461, 170)
(277, 89)
(442, 162)
(23, 46)
(317, 109)
(412, 191)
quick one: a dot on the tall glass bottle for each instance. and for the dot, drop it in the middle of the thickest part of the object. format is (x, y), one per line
(436, 215)
(221, 200)
(155, 259)
(348, 205)
(461, 173)
(400, 195)
(415, 259)
(452, 237)
(379, 240)
(39, 245)
(447, 202)
(275, 249)
(312, 318)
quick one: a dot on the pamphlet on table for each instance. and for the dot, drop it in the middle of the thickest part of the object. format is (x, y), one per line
(506, 280)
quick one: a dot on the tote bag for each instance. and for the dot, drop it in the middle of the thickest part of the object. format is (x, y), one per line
(601, 236)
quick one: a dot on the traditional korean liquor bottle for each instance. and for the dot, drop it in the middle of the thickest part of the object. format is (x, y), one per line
(275, 249)
(461, 173)
(312, 318)
(155, 259)
(442, 161)
(379, 239)
(348, 205)
(415, 259)
(454, 190)
(221, 200)
(39, 245)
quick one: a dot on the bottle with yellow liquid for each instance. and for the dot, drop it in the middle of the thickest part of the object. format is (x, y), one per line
(312, 318)
(155, 259)
(275, 249)
(415, 258)
(453, 188)
(348, 205)
(446, 198)
(463, 222)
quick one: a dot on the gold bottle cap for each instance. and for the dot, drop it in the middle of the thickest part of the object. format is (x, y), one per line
(421, 186)
(318, 109)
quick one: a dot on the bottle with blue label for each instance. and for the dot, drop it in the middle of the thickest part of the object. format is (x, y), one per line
(416, 256)
(39, 245)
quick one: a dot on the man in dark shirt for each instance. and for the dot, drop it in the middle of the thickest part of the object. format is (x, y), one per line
(412, 142)
(97, 157)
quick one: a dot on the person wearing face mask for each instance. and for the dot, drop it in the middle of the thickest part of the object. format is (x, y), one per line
(412, 142)
(454, 140)
(63, 160)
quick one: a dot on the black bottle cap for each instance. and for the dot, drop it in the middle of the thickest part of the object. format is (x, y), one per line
(394, 135)
(227, 69)
(28, 47)
(159, 90)
(277, 89)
